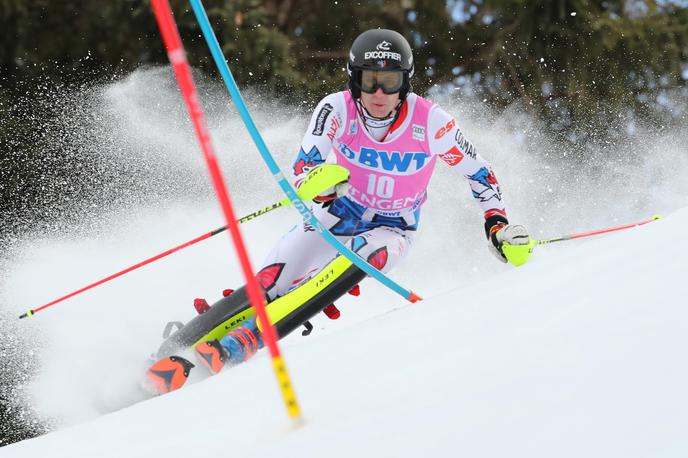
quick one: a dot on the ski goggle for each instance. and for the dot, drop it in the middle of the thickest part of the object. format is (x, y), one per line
(390, 82)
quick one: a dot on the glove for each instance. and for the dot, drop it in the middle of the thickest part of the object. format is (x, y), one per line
(509, 242)
(324, 183)
(332, 193)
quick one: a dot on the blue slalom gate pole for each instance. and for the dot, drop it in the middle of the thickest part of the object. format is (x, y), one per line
(233, 89)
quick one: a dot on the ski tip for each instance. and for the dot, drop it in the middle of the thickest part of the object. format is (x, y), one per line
(168, 374)
(211, 355)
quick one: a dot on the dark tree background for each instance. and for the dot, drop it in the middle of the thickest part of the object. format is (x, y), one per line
(570, 62)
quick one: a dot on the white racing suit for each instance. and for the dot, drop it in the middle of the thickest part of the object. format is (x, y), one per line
(370, 221)
(378, 217)
(390, 167)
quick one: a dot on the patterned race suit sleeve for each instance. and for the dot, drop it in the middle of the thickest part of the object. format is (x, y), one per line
(327, 123)
(448, 142)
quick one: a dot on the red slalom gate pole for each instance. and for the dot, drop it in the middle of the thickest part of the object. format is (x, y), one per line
(182, 70)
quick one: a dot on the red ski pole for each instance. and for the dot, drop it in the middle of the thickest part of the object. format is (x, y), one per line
(519, 254)
(597, 232)
(182, 70)
(200, 238)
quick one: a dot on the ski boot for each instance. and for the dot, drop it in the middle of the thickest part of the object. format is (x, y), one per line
(212, 355)
(237, 346)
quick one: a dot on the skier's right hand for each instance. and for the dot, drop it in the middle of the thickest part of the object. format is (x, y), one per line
(324, 183)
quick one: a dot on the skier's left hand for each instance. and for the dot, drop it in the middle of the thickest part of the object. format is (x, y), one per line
(510, 243)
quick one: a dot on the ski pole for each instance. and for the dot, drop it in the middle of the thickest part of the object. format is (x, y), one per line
(597, 232)
(519, 254)
(200, 238)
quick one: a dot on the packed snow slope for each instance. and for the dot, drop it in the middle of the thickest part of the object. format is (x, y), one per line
(581, 352)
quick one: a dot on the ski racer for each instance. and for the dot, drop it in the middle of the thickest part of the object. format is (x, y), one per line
(376, 143)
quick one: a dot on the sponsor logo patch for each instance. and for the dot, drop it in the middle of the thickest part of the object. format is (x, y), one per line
(444, 129)
(382, 55)
(391, 161)
(464, 145)
(335, 124)
(418, 133)
(322, 117)
(453, 156)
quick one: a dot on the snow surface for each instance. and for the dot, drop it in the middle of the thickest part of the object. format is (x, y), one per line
(580, 352)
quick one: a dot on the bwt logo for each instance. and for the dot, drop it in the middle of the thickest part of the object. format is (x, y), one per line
(384, 46)
(391, 161)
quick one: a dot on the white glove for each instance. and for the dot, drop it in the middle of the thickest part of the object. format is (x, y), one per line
(335, 192)
(511, 234)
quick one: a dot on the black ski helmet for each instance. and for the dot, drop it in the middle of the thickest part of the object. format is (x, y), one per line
(382, 50)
